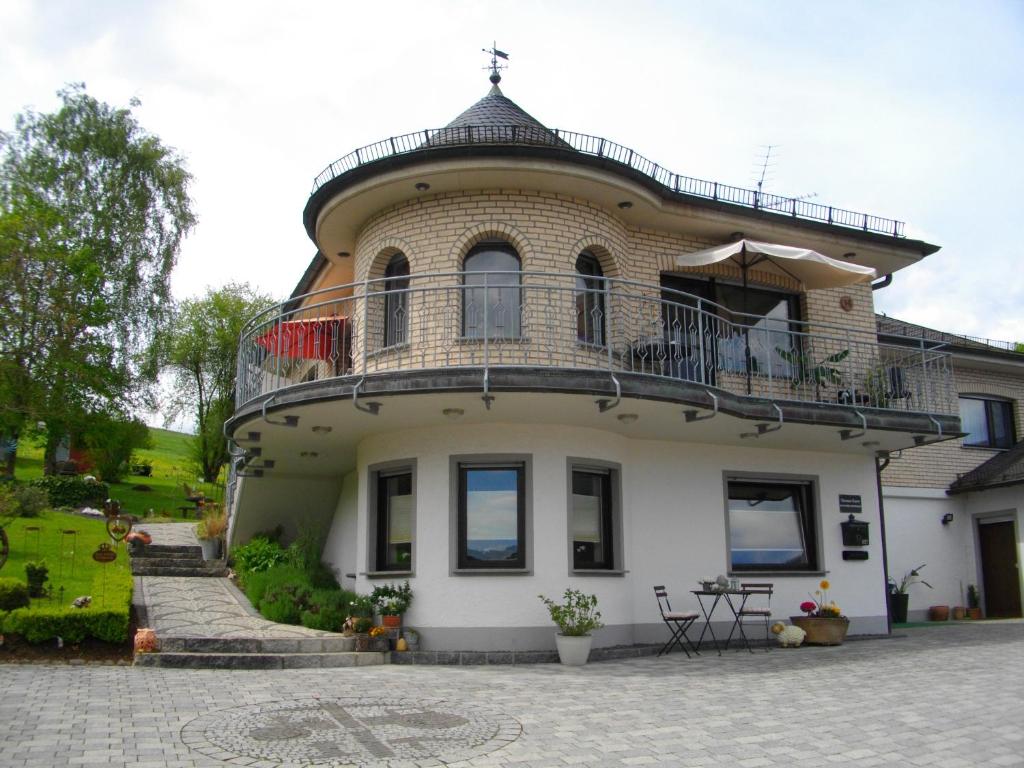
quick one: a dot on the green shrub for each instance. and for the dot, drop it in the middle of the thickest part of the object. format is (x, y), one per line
(31, 500)
(258, 555)
(37, 625)
(13, 594)
(256, 584)
(282, 610)
(72, 491)
(326, 619)
(333, 599)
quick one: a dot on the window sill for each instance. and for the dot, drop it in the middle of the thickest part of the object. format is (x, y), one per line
(494, 340)
(597, 572)
(385, 351)
(387, 574)
(491, 572)
(983, 448)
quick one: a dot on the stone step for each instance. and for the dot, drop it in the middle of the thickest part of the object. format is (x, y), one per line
(169, 550)
(216, 568)
(271, 645)
(177, 562)
(183, 660)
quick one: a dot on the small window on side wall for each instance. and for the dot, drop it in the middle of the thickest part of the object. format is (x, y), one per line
(772, 526)
(396, 301)
(492, 296)
(592, 521)
(394, 520)
(987, 422)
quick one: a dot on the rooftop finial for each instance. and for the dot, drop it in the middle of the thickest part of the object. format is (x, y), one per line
(495, 66)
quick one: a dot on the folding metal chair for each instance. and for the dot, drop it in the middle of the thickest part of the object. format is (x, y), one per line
(677, 622)
(755, 612)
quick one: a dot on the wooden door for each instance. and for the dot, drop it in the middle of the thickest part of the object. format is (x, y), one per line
(1000, 570)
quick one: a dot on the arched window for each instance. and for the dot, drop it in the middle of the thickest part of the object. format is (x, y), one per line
(491, 298)
(590, 300)
(396, 301)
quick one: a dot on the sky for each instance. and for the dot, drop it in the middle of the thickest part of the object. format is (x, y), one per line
(911, 110)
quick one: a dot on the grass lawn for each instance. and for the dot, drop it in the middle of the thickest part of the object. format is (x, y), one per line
(162, 492)
(69, 558)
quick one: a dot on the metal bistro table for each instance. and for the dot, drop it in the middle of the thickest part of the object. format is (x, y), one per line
(735, 599)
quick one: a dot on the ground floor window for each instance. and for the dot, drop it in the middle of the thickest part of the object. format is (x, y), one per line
(491, 515)
(592, 518)
(772, 525)
(394, 520)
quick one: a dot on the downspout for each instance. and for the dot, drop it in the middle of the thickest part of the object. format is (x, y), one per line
(880, 465)
(884, 282)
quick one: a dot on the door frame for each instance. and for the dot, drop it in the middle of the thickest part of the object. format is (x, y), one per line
(1000, 516)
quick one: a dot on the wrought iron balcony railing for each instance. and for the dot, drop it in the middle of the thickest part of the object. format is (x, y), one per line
(571, 322)
(609, 151)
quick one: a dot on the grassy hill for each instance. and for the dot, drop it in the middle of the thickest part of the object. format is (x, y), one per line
(162, 492)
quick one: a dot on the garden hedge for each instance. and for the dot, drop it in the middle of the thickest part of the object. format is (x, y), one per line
(37, 625)
(67, 491)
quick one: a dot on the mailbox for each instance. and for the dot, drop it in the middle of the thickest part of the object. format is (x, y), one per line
(855, 533)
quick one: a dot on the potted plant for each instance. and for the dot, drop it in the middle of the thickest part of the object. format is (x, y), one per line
(360, 620)
(36, 575)
(823, 621)
(973, 602)
(210, 532)
(806, 371)
(412, 639)
(378, 638)
(899, 598)
(938, 613)
(392, 602)
(576, 619)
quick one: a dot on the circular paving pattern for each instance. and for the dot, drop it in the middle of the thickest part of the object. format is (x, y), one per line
(352, 731)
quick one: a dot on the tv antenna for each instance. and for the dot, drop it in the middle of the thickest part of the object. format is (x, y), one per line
(765, 165)
(495, 66)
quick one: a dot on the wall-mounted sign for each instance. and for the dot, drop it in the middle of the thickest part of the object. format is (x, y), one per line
(849, 502)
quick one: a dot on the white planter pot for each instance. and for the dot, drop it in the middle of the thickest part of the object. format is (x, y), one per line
(211, 548)
(573, 651)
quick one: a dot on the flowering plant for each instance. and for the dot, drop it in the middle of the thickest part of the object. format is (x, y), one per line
(819, 605)
(378, 632)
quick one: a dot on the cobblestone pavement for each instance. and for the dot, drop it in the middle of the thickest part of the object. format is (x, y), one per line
(171, 534)
(949, 696)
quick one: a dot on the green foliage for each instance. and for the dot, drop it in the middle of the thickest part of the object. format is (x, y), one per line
(36, 574)
(93, 210)
(31, 500)
(326, 619)
(973, 598)
(260, 554)
(362, 606)
(577, 616)
(38, 625)
(806, 371)
(392, 600)
(111, 444)
(910, 578)
(65, 491)
(9, 506)
(305, 551)
(13, 594)
(200, 348)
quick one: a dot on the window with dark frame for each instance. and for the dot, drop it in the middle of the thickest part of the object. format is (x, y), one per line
(590, 300)
(396, 300)
(987, 422)
(492, 516)
(394, 521)
(491, 300)
(772, 526)
(592, 522)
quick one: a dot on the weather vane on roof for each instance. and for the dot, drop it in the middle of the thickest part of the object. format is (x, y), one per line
(495, 66)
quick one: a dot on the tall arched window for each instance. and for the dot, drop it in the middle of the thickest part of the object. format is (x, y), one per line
(396, 301)
(491, 298)
(590, 300)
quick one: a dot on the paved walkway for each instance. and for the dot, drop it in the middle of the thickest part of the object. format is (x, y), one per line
(949, 696)
(201, 607)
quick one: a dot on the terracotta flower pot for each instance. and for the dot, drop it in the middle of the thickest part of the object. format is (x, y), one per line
(822, 630)
(145, 640)
(974, 613)
(391, 620)
(959, 613)
(938, 613)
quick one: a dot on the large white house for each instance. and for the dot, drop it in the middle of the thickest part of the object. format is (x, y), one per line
(515, 365)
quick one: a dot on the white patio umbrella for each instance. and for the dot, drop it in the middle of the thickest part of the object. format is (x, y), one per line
(809, 268)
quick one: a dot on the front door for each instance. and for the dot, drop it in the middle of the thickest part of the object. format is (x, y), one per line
(1000, 569)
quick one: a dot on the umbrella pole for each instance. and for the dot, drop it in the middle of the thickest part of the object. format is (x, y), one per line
(746, 327)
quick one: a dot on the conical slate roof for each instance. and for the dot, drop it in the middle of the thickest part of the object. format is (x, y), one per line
(495, 119)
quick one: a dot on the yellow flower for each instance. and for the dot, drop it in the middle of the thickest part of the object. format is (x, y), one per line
(824, 584)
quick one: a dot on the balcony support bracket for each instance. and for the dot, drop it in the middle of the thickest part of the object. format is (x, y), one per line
(849, 434)
(694, 415)
(923, 439)
(372, 408)
(604, 404)
(764, 429)
(287, 421)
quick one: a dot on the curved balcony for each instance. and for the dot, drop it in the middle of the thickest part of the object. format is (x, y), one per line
(541, 324)
(572, 145)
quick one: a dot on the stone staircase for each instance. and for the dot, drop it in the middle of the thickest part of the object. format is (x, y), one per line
(253, 653)
(175, 560)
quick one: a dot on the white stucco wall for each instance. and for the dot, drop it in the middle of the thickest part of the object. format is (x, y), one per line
(291, 502)
(340, 546)
(673, 529)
